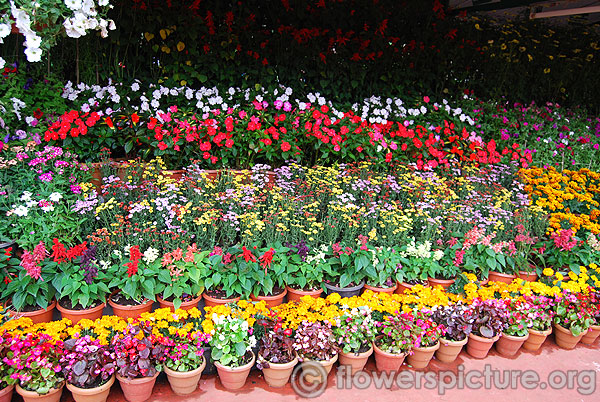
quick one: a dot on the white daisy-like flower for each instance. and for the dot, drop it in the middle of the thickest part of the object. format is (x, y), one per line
(55, 197)
(26, 196)
(21, 210)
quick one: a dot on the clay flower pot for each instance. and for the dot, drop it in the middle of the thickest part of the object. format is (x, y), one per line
(188, 305)
(445, 283)
(37, 316)
(97, 394)
(297, 294)
(210, 301)
(377, 289)
(478, 346)
(591, 335)
(137, 389)
(131, 311)
(404, 286)
(184, 382)
(527, 276)
(77, 315)
(318, 378)
(509, 345)
(173, 174)
(421, 356)
(500, 277)
(387, 362)
(449, 350)
(344, 292)
(234, 378)
(355, 361)
(272, 301)
(564, 338)
(278, 374)
(536, 339)
(6, 393)
(31, 396)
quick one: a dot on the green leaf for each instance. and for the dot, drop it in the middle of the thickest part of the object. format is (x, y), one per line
(240, 348)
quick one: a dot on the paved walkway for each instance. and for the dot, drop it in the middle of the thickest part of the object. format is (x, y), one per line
(544, 363)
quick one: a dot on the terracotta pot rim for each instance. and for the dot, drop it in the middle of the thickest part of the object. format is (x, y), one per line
(220, 301)
(331, 360)
(408, 285)
(141, 380)
(51, 306)
(134, 307)
(484, 339)
(303, 292)
(380, 289)
(191, 373)
(538, 332)
(246, 366)
(283, 366)
(353, 355)
(445, 341)
(6, 390)
(91, 391)
(441, 280)
(564, 330)
(502, 275)
(428, 348)
(81, 312)
(195, 300)
(270, 298)
(515, 337)
(23, 392)
(377, 350)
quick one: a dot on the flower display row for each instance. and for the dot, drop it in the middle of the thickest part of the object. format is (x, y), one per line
(411, 327)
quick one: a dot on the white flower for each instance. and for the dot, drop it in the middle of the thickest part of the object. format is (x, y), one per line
(73, 4)
(55, 197)
(26, 196)
(4, 31)
(33, 54)
(21, 210)
(150, 255)
(135, 87)
(2, 61)
(33, 41)
(48, 208)
(103, 3)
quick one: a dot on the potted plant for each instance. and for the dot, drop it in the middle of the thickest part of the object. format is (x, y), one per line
(181, 277)
(231, 350)
(268, 275)
(355, 332)
(439, 266)
(31, 290)
(226, 280)
(415, 263)
(315, 343)
(427, 341)
(516, 331)
(594, 331)
(304, 272)
(138, 355)
(456, 330)
(395, 340)
(185, 359)
(88, 367)
(380, 274)
(539, 324)
(276, 355)
(36, 360)
(345, 271)
(7, 379)
(80, 286)
(488, 320)
(571, 320)
(138, 282)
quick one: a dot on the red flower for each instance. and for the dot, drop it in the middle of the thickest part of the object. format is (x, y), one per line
(266, 259)
(132, 268)
(59, 253)
(247, 254)
(109, 122)
(285, 146)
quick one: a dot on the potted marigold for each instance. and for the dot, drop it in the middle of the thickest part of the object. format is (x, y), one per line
(354, 332)
(231, 350)
(571, 320)
(488, 320)
(276, 355)
(315, 343)
(139, 355)
(456, 330)
(31, 290)
(516, 331)
(268, 274)
(36, 360)
(88, 367)
(394, 341)
(539, 323)
(81, 286)
(304, 271)
(428, 339)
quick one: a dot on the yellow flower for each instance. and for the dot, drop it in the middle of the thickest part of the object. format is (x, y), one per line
(548, 271)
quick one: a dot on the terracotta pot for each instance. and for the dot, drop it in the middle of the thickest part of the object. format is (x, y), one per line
(6, 393)
(591, 335)
(278, 374)
(478, 346)
(173, 174)
(355, 361)
(536, 339)
(77, 315)
(271, 177)
(271, 301)
(420, 357)
(564, 338)
(484, 282)
(445, 283)
(387, 362)
(381, 290)
(318, 378)
(31, 396)
(96, 171)
(344, 292)
(404, 286)
(131, 311)
(500, 277)
(528, 276)
(184, 382)
(296, 294)
(212, 175)
(210, 301)
(449, 350)
(509, 345)
(37, 316)
(188, 305)
(234, 378)
(137, 389)
(98, 394)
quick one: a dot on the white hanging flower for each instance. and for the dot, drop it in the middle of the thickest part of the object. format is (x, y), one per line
(34, 54)
(74, 5)
(2, 62)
